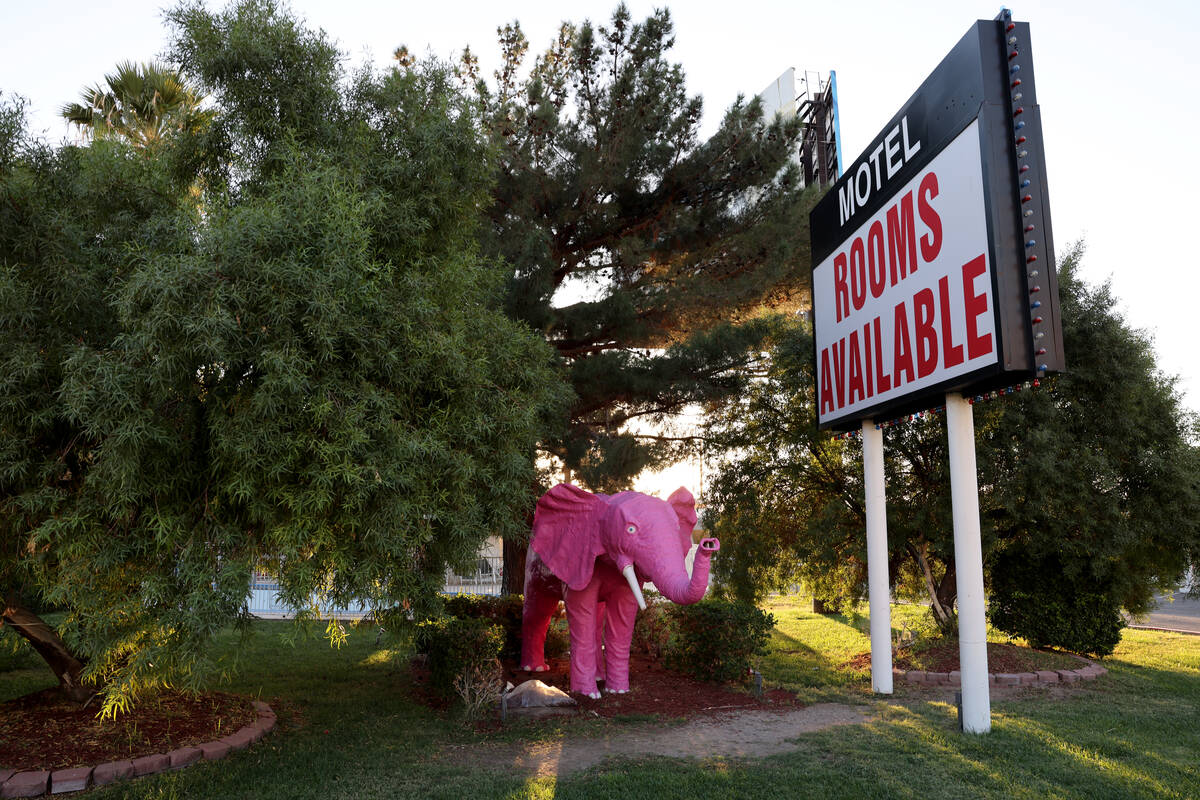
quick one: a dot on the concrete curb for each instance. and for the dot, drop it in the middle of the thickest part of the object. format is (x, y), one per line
(1046, 677)
(35, 783)
(1163, 630)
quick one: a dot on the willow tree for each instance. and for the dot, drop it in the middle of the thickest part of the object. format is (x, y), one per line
(643, 252)
(309, 372)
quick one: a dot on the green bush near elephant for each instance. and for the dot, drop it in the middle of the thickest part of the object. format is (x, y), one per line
(654, 627)
(505, 610)
(716, 640)
(456, 647)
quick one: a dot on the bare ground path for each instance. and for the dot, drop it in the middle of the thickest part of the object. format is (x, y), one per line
(741, 734)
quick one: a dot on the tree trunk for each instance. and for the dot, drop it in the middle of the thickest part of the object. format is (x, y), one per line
(947, 593)
(943, 593)
(514, 567)
(51, 648)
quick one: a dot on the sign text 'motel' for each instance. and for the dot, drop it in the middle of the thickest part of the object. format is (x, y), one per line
(923, 251)
(857, 192)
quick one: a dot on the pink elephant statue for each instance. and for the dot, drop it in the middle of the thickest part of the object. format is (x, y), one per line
(595, 551)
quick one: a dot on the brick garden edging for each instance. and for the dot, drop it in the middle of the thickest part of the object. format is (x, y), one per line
(39, 782)
(1045, 677)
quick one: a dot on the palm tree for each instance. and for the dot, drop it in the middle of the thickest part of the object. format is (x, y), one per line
(141, 104)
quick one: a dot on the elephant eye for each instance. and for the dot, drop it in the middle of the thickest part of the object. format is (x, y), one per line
(631, 529)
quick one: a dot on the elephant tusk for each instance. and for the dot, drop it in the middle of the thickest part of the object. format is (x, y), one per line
(631, 576)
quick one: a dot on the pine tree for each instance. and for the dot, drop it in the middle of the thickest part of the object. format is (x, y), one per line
(604, 183)
(309, 372)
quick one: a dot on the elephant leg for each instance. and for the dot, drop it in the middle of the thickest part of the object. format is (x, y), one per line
(536, 614)
(621, 612)
(600, 666)
(582, 620)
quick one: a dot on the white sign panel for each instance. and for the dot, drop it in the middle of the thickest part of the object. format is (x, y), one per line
(906, 302)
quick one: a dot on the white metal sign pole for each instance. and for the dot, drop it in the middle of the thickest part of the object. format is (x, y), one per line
(968, 562)
(879, 591)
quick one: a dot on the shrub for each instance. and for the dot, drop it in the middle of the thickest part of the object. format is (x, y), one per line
(504, 610)
(558, 641)
(480, 688)
(458, 647)
(716, 639)
(652, 628)
(1035, 599)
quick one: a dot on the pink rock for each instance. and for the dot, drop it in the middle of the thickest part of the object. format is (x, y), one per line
(184, 756)
(214, 750)
(1068, 675)
(1047, 676)
(112, 771)
(69, 780)
(914, 676)
(261, 707)
(26, 784)
(937, 677)
(267, 723)
(5, 774)
(1008, 679)
(956, 678)
(148, 765)
(1027, 678)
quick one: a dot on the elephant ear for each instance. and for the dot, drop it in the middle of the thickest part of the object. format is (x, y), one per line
(684, 505)
(566, 533)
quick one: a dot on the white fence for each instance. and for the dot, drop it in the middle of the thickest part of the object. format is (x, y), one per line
(265, 602)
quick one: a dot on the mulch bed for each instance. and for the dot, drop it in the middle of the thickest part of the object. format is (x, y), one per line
(43, 731)
(654, 690)
(943, 657)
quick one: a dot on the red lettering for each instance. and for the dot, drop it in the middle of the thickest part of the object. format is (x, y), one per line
(877, 268)
(931, 243)
(882, 380)
(858, 274)
(856, 370)
(902, 346)
(839, 371)
(975, 305)
(902, 239)
(826, 389)
(952, 354)
(926, 335)
(867, 359)
(841, 296)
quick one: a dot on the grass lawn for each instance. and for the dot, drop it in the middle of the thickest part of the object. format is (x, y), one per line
(348, 729)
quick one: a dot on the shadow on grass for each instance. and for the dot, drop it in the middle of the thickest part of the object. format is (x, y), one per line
(917, 752)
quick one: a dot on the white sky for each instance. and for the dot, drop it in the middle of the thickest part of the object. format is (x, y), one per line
(1114, 82)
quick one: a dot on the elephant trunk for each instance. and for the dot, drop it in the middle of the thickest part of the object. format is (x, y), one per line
(678, 588)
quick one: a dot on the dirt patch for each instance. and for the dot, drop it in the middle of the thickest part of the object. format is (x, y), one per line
(721, 721)
(943, 657)
(656, 691)
(44, 731)
(730, 734)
